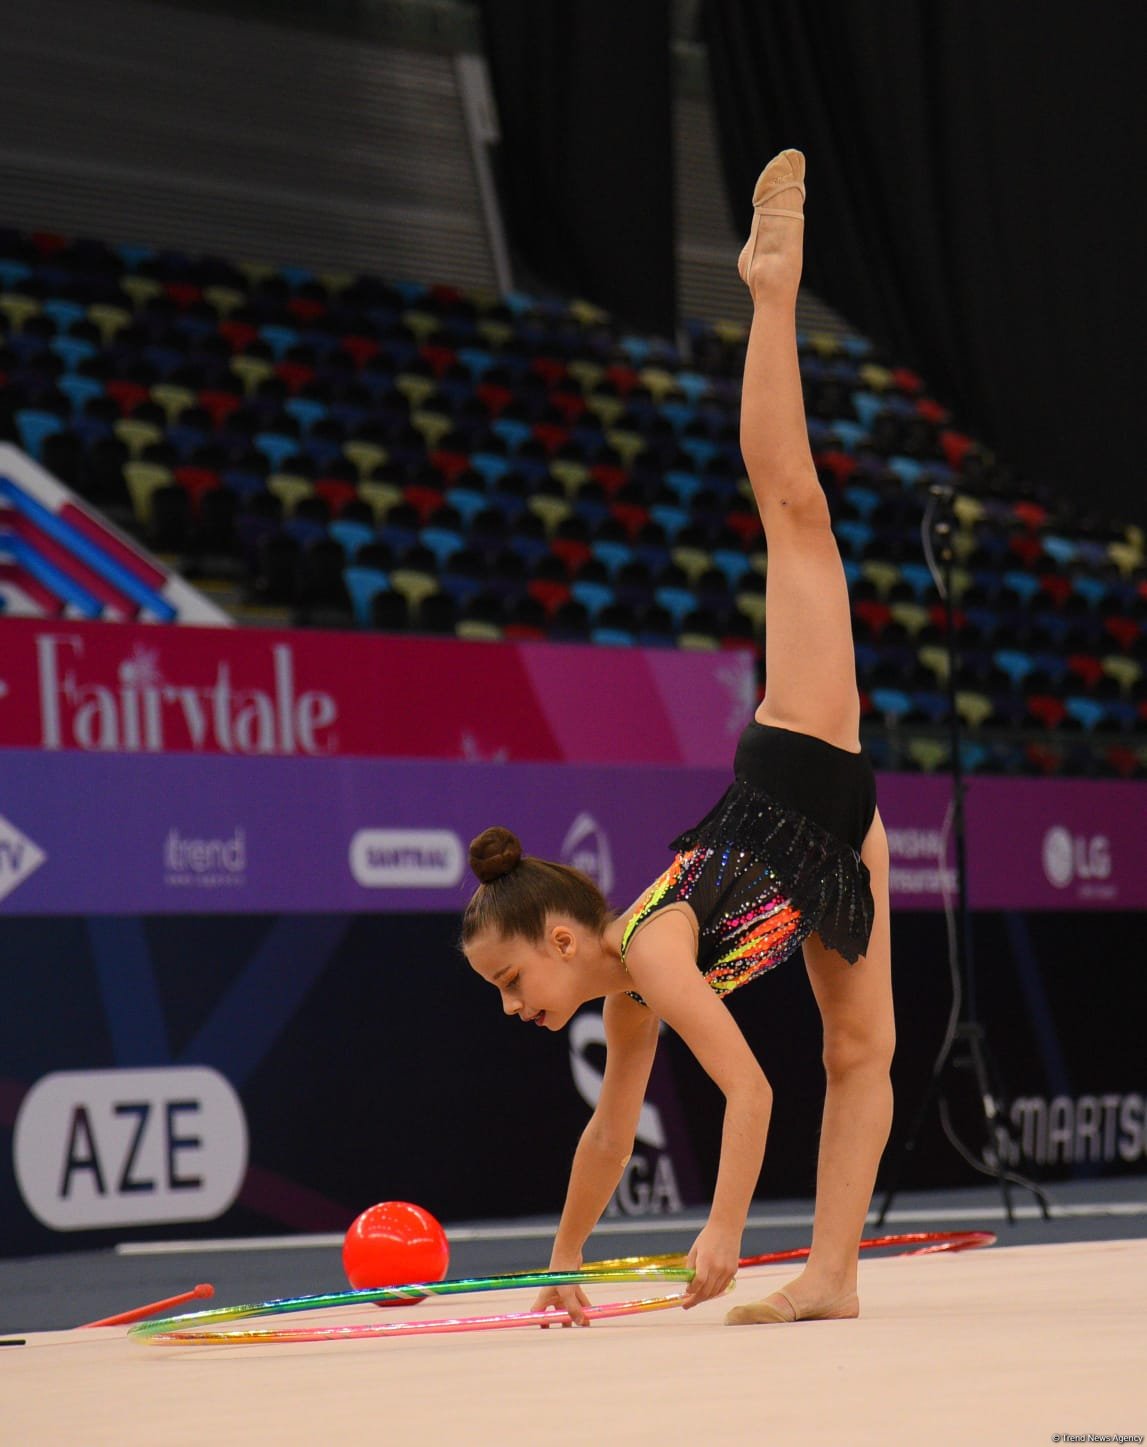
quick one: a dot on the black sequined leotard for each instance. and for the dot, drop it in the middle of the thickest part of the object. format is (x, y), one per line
(777, 859)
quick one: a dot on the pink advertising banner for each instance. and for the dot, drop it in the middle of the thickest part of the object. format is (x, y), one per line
(139, 689)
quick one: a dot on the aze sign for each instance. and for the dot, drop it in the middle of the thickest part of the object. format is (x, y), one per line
(129, 1147)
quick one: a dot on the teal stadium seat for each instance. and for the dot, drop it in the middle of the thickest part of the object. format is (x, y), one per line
(276, 447)
(1088, 712)
(352, 536)
(363, 584)
(306, 411)
(592, 596)
(34, 426)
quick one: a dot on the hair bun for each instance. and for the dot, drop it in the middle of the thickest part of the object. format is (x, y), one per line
(495, 853)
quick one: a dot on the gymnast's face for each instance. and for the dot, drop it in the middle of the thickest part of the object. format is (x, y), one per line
(538, 982)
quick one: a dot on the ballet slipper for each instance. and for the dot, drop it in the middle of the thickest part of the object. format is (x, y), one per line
(780, 1308)
(785, 172)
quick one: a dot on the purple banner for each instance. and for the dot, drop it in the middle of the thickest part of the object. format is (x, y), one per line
(113, 834)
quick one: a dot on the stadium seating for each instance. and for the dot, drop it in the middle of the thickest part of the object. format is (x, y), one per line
(353, 453)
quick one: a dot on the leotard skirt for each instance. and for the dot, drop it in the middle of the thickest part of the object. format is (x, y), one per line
(775, 860)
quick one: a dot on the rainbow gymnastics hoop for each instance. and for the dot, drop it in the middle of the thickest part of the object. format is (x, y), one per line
(924, 1243)
(189, 1329)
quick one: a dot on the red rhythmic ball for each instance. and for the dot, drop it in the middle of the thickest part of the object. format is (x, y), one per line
(393, 1244)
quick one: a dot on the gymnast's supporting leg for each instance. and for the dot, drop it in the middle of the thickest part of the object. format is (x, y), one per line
(811, 687)
(855, 1003)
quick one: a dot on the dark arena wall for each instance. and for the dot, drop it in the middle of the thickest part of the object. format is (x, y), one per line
(361, 1061)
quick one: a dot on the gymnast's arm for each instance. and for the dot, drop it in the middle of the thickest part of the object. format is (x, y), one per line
(662, 962)
(631, 1042)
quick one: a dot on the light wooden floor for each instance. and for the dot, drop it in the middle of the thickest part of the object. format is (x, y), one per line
(1000, 1347)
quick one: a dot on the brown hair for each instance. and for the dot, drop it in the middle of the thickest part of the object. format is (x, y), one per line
(517, 891)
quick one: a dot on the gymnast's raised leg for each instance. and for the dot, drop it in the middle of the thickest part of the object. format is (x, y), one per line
(810, 687)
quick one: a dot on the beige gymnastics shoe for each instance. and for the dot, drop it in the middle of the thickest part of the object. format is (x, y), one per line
(780, 1308)
(784, 173)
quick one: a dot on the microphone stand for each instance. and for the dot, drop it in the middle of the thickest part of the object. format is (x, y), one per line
(965, 1050)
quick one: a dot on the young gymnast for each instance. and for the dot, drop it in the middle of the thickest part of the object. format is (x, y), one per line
(793, 855)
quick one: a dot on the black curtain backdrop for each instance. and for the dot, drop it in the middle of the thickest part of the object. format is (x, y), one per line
(975, 179)
(586, 164)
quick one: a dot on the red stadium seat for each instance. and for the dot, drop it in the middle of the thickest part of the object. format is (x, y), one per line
(361, 349)
(239, 334)
(1047, 711)
(1124, 630)
(335, 493)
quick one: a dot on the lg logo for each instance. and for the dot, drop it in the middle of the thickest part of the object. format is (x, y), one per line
(1068, 857)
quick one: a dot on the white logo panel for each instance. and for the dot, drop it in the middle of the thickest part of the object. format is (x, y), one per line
(129, 1147)
(406, 858)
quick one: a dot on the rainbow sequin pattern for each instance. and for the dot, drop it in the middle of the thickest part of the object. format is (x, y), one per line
(753, 927)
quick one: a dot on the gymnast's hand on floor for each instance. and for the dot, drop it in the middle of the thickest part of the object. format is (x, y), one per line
(571, 1299)
(714, 1260)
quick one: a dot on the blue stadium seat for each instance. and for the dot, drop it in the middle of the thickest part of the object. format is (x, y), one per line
(306, 411)
(477, 360)
(1095, 590)
(64, 313)
(468, 501)
(856, 534)
(1024, 585)
(868, 406)
(851, 434)
(1124, 714)
(12, 273)
(671, 518)
(276, 447)
(1015, 664)
(678, 602)
(973, 755)
(442, 542)
(867, 657)
(612, 637)
(592, 596)
(490, 465)
(864, 499)
(700, 449)
(733, 564)
(279, 339)
(79, 390)
(1063, 550)
(918, 578)
(352, 536)
(932, 704)
(512, 433)
(530, 550)
(694, 385)
(684, 485)
(304, 530)
(72, 351)
(1053, 664)
(907, 469)
(1088, 712)
(680, 414)
(34, 426)
(612, 554)
(891, 702)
